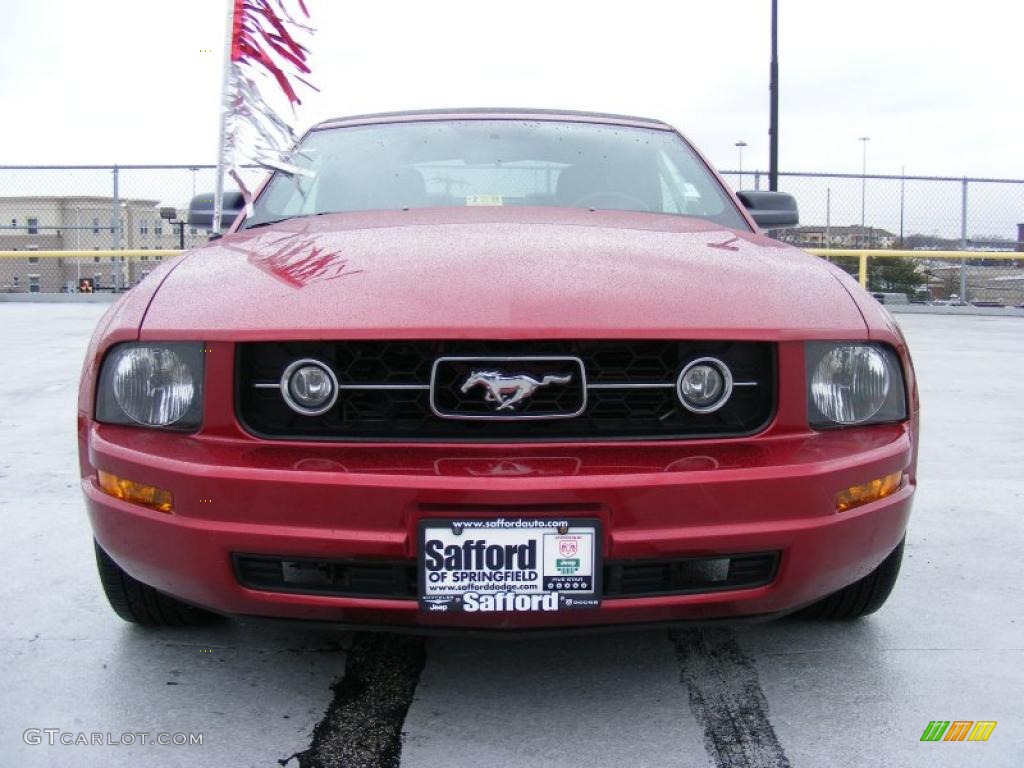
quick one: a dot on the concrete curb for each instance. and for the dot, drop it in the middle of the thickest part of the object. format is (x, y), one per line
(59, 298)
(924, 309)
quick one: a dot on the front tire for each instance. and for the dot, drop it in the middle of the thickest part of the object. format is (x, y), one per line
(137, 603)
(862, 597)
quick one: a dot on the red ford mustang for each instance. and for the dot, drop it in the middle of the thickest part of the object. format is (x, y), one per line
(492, 369)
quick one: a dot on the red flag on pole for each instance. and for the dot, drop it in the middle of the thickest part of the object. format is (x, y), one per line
(263, 51)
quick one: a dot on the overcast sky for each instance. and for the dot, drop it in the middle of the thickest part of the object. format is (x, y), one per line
(936, 85)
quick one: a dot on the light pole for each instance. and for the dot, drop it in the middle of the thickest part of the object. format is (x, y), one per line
(903, 189)
(170, 214)
(773, 104)
(740, 145)
(828, 217)
(863, 180)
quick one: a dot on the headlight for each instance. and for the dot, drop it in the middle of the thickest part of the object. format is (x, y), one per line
(153, 385)
(850, 384)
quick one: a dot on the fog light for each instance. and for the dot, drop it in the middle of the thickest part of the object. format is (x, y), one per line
(309, 387)
(865, 494)
(704, 385)
(137, 493)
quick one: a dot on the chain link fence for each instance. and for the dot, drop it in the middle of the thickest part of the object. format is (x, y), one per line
(922, 214)
(118, 208)
(911, 212)
(132, 208)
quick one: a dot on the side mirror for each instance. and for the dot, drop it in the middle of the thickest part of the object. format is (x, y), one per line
(200, 210)
(771, 210)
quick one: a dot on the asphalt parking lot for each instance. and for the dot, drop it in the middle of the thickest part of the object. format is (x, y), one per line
(949, 645)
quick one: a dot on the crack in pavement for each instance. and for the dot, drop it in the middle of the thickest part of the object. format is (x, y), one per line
(362, 727)
(727, 700)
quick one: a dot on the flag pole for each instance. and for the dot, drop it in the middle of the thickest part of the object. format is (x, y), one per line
(225, 110)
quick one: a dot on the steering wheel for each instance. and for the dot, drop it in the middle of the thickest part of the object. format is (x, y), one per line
(584, 201)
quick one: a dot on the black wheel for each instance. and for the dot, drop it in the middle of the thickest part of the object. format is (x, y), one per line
(135, 602)
(862, 597)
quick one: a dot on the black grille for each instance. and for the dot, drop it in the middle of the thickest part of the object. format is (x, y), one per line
(636, 578)
(398, 404)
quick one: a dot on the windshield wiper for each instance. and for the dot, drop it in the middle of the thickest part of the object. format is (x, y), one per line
(268, 222)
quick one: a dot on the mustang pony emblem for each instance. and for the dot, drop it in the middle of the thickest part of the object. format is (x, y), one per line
(509, 391)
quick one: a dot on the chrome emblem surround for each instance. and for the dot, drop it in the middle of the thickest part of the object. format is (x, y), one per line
(505, 391)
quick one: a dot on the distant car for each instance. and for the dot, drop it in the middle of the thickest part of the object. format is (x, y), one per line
(891, 298)
(498, 370)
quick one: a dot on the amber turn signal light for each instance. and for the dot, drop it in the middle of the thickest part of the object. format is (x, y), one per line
(865, 494)
(137, 493)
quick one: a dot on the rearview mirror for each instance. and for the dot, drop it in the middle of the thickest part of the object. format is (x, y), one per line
(771, 210)
(200, 210)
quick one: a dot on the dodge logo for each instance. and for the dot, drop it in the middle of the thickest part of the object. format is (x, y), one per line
(508, 391)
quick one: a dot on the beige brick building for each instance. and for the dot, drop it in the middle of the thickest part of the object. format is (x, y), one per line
(838, 237)
(82, 224)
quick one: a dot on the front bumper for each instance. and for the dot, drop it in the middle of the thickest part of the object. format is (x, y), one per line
(655, 501)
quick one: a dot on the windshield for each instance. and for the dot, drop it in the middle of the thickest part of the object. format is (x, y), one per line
(495, 162)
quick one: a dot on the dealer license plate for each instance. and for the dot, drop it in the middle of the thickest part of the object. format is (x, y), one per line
(520, 565)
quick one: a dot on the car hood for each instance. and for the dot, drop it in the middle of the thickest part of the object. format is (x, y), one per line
(500, 273)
